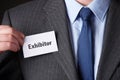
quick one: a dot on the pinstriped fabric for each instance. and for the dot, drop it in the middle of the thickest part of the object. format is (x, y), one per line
(65, 56)
(43, 16)
(110, 58)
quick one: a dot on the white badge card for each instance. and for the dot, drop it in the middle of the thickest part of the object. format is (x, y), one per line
(39, 44)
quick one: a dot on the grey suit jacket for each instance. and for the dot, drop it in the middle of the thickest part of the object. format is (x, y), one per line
(46, 15)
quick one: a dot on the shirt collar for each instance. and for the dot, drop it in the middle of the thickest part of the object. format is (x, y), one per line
(73, 8)
(98, 7)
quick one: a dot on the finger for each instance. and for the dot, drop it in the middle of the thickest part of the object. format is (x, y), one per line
(21, 34)
(9, 38)
(18, 35)
(11, 30)
(4, 46)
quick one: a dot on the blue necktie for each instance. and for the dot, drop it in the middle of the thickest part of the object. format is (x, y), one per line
(85, 46)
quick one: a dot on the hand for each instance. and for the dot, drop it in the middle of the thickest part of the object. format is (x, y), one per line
(10, 39)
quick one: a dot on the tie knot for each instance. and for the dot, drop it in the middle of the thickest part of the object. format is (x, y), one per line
(85, 14)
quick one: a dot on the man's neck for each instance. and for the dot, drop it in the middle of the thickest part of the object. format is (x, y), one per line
(84, 2)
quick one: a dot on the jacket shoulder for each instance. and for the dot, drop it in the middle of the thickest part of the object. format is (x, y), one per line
(29, 6)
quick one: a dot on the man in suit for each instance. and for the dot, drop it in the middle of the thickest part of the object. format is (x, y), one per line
(47, 15)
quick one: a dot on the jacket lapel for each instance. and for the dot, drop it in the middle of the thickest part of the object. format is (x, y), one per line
(57, 17)
(110, 57)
